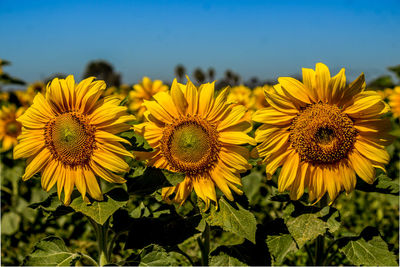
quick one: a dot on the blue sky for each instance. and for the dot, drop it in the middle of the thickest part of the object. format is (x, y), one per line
(267, 39)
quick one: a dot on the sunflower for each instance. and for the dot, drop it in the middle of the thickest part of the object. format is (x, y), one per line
(394, 102)
(198, 135)
(385, 94)
(24, 98)
(36, 87)
(322, 132)
(259, 100)
(10, 128)
(69, 136)
(144, 91)
(241, 95)
(4, 96)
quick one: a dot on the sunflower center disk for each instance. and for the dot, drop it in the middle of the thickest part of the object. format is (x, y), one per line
(321, 133)
(70, 138)
(190, 145)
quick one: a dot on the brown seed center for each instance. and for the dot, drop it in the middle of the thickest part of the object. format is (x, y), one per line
(190, 145)
(70, 138)
(321, 133)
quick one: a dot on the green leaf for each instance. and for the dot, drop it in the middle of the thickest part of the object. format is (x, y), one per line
(173, 178)
(367, 249)
(151, 180)
(13, 174)
(100, 211)
(232, 217)
(53, 206)
(246, 253)
(279, 246)
(24, 210)
(305, 223)
(51, 251)
(251, 185)
(138, 142)
(10, 223)
(223, 259)
(51, 203)
(396, 132)
(140, 211)
(382, 184)
(160, 257)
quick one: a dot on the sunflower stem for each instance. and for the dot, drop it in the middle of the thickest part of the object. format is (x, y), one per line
(320, 242)
(205, 248)
(102, 241)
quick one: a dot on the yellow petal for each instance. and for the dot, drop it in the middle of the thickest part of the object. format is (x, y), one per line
(309, 83)
(288, 172)
(294, 89)
(362, 166)
(192, 97)
(103, 136)
(110, 161)
(106, 175)
(92, 185)
(272, 116)
(165, 101)
(178, 98)
(48, 177)
(37, 163)
(233, 117)
(322, 78)
(206, 97)
(157, 111)
(372, 151)
(236, 138)
(337, 86)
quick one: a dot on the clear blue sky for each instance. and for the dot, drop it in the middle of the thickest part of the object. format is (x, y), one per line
(267, 39)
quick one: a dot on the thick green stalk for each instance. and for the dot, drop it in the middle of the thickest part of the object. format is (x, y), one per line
(102, 241)
(320, 242)
(205, 249)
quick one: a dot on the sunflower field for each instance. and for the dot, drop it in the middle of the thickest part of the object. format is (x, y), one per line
(298, 171)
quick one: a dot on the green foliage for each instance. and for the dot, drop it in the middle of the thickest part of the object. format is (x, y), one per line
(100, 211)
(367, 249)
(280, 246)
(382, 82)
(382, 184)
(160, 257)
(305, 223)
(232, 217)
(395, 70)
(51, 251)
(10, 223)
(223, 259)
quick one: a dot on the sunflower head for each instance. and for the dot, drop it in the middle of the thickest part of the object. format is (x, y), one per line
(36, 87)
(144, 91)
(386, 93)
(10, 128)
(194, 133)
(241, 95)
(394, 102)
(259, 100)
(69, 135)
(4, 96)
(322, 132)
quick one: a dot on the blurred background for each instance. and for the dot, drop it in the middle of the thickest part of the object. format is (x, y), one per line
(244, 40)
